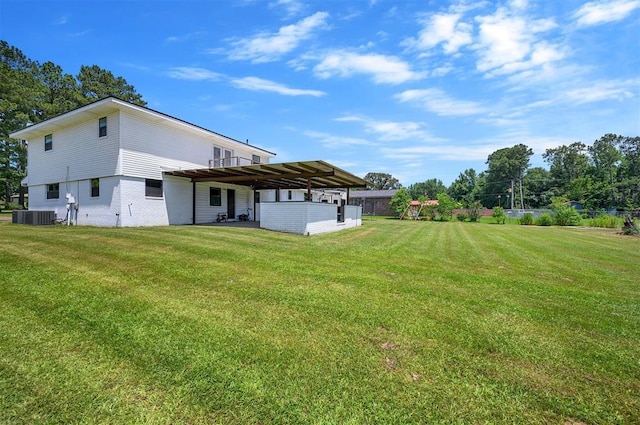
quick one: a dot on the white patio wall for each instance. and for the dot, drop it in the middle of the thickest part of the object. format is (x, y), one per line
(307, 218)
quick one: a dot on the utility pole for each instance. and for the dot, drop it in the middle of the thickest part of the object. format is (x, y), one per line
(521, 196)
(513, 194)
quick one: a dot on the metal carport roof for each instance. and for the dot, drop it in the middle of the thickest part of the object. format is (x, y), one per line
(285, 175)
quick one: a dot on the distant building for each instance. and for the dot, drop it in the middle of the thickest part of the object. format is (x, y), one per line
(373, 202)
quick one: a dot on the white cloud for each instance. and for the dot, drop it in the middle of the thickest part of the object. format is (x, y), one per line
(390, 130)
(440, 103)
(382, 69)
(442, 28)
(509, 42)
(268, 47)
(194, 74)
(185, 37)
(601, 12)
(331, 141)
(291, 7)
(259, 84)
(604, 90)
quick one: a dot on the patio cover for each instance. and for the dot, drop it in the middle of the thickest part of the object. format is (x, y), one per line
(285, 175)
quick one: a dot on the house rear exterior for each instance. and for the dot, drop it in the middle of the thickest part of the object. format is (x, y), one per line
(109, 157)
(113, 163)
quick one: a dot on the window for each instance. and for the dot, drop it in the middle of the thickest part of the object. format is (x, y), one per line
(215, 196)
(48, 142)
(53, 191)
(255, 159)
(289, 195)
(153, 188)
(102, 127)
(95, 188)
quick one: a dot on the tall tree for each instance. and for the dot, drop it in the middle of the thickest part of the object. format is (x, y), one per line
(427, 189)
(97, 83)
(382, 181)
(505, 167)
(567, 163)
(465, 189)
(605, 158)
(630, 171)
(538, 190)
(60, 91)
(19, 91)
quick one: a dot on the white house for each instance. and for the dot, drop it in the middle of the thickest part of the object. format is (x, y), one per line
(113, 163)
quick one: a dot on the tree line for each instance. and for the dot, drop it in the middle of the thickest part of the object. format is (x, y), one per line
(31, 92)
(602, 176)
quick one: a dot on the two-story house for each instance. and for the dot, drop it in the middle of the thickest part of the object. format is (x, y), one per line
(113, 163)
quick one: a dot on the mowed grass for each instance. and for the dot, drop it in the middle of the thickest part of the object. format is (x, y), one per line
(393, 322)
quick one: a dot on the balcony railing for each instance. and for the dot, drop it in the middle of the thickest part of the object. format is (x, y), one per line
(233, 161)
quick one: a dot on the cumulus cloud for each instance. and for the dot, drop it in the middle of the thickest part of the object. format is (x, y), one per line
(259, 84)
(382, 69)
(510, 42)
(602, 12)
(440, 103)
(269, 47)
(442, 28)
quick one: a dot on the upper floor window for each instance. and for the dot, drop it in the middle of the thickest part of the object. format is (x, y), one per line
(153, 188)
(102, 127)
(95, 188)
(53, 191)
(255, 159)
(48, 142)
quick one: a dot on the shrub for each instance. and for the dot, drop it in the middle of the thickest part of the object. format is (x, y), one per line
(567, 216)
(545, 219)
(462, 216)
(606, 220)
(499, 215)
(475, 210)
(527, 219)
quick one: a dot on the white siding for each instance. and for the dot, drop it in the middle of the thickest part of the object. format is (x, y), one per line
(78, 153)
(150, 146)
(206, 213)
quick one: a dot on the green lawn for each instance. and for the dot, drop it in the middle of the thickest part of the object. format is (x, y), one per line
(394, 322)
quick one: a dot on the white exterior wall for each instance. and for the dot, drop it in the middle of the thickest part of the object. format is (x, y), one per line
(206, 213)
(78, 153)
(139, 144)
(150, 146)
(307, 218)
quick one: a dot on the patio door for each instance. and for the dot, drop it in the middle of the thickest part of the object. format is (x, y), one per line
(231, 203)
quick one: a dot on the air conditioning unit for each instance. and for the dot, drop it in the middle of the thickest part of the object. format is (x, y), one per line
(37, 218)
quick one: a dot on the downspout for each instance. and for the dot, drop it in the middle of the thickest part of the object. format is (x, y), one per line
(309, 189)
(193, 202)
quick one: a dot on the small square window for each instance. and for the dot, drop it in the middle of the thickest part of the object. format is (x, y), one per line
(255, 159)
(215, 196)
(48, 142)
(95, 188)
(102, 127)
(53, 191)
(153, 188)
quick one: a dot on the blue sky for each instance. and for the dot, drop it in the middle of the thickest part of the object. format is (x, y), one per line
(417, 89)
